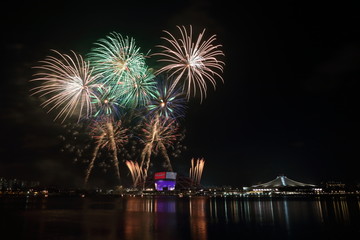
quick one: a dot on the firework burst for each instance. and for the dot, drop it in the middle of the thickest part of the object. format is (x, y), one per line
(168, 102)
(69, 84)
(194, 62)
(138, 89)
(107, 105)
(117, 59)
(116, 83)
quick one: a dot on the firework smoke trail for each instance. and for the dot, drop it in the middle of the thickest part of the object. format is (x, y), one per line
(70, 84)
(196, 62)
(111, 135)
(136, 172)
(196, 170)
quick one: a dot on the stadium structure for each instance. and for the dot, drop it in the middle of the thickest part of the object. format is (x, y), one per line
(167, 181)
(282, 184)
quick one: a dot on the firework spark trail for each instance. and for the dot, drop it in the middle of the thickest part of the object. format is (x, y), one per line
(166, 135)
(200, 170)
(94, 155)
(159, 134)
(132, 168)
(146, 153)
(108, 134)
(195, 61)
(70, 84)
(166, 156)
(196, 171)
(136, 171)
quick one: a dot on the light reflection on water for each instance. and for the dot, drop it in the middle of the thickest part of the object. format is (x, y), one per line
(180, 218)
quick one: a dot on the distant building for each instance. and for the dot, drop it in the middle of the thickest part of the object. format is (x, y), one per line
(335, 187)
(165, 181)
(16, 184)
(335, 184)
(282, 184)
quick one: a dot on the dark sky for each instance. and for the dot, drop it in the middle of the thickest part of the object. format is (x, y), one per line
(287, 105)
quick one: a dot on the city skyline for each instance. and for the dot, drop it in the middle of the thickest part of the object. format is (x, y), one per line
(287, 104)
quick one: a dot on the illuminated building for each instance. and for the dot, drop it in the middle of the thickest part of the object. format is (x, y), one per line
(16, 184)
(165, 181)
(282, 184)
(337, 187)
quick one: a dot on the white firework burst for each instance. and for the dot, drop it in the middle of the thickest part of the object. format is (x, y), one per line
(68, 84)
(192, 63)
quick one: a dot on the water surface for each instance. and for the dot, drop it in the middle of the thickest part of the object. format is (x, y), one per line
(172, 218)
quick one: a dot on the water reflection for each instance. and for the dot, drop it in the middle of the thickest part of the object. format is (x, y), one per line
(198, 218)
(167, 205)
(283, 212)
(341, 210)
(133, 225)
(320, 210)
(145, 216)
(99, 225)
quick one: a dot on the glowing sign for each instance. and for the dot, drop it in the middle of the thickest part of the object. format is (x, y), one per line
(160, 175)
(170, 175)
(165, 175)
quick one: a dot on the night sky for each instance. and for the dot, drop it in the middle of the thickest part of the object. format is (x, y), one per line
(288, 104)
